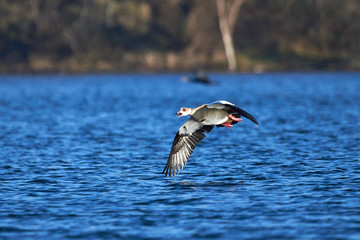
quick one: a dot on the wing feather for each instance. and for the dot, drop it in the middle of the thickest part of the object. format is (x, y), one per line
(186, 139)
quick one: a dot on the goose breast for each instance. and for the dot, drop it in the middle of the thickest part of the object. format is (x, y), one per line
(210, 116)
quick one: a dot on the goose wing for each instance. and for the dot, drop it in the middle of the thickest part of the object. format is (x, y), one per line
(186, 139)
(232, 109)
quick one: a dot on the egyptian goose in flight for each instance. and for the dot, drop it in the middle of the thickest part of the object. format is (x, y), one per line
(202, 120)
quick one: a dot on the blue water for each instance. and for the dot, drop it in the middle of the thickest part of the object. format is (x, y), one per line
(81, 158)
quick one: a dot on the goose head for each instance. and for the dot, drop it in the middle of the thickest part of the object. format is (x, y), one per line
(183, 112)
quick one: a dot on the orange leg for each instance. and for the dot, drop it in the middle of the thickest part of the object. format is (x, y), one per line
(227, 124)
(234, 118)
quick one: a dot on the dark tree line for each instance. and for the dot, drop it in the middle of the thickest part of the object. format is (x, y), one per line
(177, 35)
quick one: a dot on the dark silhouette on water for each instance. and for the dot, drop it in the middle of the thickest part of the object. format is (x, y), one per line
(199, 77)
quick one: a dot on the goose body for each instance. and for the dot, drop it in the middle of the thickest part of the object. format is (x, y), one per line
(202, 120)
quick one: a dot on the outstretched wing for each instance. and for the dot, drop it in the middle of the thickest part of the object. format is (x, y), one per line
(186, 139)
(232, 109)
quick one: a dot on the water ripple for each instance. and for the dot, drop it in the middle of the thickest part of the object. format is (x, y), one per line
(82, 157)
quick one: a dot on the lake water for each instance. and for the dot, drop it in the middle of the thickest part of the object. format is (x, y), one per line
(81, 157)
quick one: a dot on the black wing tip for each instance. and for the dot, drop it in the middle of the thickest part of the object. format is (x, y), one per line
(169, 172)
(166, 172)
(244, 114)
(254, 121)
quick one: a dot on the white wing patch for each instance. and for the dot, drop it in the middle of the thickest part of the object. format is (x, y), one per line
(190, 127)
(222, 102)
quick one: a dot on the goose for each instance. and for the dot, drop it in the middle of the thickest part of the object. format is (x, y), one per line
(199, 77)
(202, 120)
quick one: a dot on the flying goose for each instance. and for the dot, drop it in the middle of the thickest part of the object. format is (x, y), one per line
(202, 120)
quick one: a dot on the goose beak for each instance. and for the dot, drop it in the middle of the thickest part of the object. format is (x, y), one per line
(179, 114)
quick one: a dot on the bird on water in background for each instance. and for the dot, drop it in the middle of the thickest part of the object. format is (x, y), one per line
(202, 120)
(198, 77)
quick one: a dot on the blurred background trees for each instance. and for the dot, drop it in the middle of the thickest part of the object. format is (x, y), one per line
(177, 35)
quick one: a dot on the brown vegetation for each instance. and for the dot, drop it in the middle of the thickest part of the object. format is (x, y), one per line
(177, 35)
